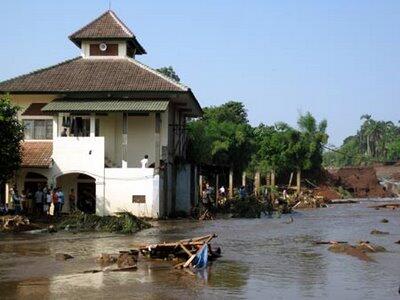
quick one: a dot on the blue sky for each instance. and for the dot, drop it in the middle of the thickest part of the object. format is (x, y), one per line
(337, 59)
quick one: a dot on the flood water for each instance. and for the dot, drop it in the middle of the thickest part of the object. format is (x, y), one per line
(262, 259)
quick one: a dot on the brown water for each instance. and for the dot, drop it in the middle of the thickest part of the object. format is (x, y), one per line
(262, 259)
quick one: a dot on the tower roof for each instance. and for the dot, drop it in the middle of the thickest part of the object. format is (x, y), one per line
(106, 26)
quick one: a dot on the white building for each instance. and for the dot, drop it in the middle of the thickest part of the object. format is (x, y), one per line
(114, 111)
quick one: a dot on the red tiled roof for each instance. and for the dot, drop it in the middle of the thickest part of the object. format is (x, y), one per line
(107, 26)
(36, 154)
(35, 109)
(93, 75)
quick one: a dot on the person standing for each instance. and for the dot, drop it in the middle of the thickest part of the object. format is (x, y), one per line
(23, 202)
(54, 199)
(39, 202)
(145, 161)
(47, 202)
(16, 200)
(61, 200)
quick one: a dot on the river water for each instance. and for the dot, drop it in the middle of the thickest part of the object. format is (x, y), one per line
(262, 259)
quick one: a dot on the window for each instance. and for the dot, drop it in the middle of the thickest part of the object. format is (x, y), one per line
(38, 129)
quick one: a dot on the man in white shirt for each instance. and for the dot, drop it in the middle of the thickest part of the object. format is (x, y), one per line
(145, 161)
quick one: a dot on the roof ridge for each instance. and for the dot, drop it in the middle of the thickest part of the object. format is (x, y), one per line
(40, 70)
(113, 15)
(122, 24)
(146, 67)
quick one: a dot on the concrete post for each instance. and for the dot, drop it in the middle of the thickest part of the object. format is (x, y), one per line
(92, 125)
(257, 180)
(298, 180)
(157, 142)
(231, 183)
(55, 126)
(124, 140)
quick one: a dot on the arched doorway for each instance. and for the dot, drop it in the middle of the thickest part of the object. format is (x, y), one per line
(34, 181)
(82, 187)
(86, 194)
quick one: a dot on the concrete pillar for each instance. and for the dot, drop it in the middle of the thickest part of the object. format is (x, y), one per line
(201, 185)
(92, 125)
(124, 140)
(157, 142)
(55, 126)
(298, 180)
(257, 179)
(7, 192)
(59, 127)
(230, 183)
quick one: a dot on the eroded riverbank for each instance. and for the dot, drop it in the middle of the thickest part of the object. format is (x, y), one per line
(262, 258)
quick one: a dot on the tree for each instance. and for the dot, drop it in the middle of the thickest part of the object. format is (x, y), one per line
(375, 141)
(11, 135)
(169, 72)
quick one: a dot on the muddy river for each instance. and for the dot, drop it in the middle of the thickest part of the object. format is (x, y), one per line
(262, 259)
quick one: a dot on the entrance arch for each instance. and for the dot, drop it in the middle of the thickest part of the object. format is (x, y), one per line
(34, 181)
(82, 187)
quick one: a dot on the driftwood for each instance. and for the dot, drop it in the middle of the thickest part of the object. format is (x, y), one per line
(329, 242)
(185, 250)
(387, 205)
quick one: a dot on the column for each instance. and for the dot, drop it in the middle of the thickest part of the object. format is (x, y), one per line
(92, 125)
(257, 182)
(157, 142)
(231, 183)
(55, 126)
(124, 140)
(244, 179)
(59, 127)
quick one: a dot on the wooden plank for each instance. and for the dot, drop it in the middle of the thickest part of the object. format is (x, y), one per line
(185, 249)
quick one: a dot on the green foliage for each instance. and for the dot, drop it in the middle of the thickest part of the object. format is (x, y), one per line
(222, 137)
(249, 207)
(375, 141)
(11, 135)
(169, 72)
(123, 222)
(283, 148)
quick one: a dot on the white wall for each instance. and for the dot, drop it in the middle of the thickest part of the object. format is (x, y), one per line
(122, 184)
(141, 139)
(78, 155)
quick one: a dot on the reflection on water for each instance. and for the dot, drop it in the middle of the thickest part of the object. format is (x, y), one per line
(262, 258)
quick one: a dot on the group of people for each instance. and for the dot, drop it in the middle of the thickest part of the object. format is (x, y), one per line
(44, 201)
(49, 201)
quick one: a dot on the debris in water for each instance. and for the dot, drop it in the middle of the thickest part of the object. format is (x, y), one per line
(358, 250)
(194, 252)
(378, 232)
(387, 205)
(384, 221)
(123, 222)
(63, 256)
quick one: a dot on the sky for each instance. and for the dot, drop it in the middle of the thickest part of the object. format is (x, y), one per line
(337, 59)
